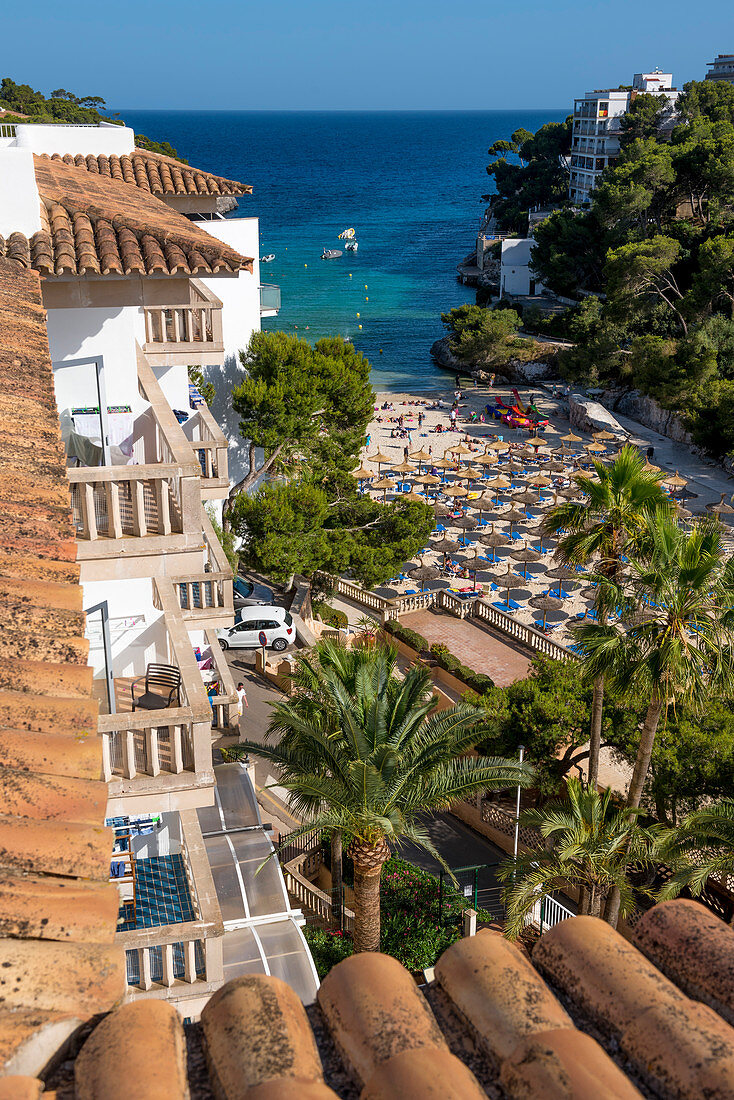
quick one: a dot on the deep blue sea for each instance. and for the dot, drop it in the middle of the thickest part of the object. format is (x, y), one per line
(409, 182)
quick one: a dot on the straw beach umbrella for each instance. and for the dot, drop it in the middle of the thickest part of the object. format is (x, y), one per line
(508, 579)
(455, 491)
(403, 468)
(380, 458)
(384, 483)
(445, 546)
(514, 517)
(722, 509)
(562, 573)
(494, 540)
(603, 435)
(464, 523)
(545, 604)
(571, 438)
(541, 534)
(499, 446)
(676, 481)
(525, 555)
(460, 449)
(424, 573)
(412, 498)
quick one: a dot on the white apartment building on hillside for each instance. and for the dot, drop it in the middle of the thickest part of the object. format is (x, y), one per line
(139, 279)
(722, 68)
(596, 128)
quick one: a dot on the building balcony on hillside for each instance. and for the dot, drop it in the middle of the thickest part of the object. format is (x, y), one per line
(150, 495)
(155, 717)
(269, 299)
(169, 924)
(210, 447)
(183, 332)
(206, 597)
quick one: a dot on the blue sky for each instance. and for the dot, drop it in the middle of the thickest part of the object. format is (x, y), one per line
(382, 54)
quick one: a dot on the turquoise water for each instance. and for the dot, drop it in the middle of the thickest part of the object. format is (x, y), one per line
(409, 182)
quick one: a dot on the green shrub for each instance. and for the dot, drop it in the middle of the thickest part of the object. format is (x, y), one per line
(233, 753)
(411, 929)
(405, 634)
(330, 615)
(444, 658)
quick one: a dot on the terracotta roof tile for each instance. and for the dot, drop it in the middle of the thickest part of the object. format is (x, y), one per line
(95, 224)
(693, 948)
(376, 1035)
(668, 1038)
(374, 1011)
(147, 1040)
(47, 908)
(20, 1088)
(156, 174)
(59, 965)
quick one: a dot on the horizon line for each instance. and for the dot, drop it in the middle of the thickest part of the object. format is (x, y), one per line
(340, 110)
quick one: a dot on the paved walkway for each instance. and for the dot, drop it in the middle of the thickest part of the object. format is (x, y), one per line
(474, 647)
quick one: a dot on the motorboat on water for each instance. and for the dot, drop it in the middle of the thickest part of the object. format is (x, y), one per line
(351, 246)
(331, 254)
(267, 259)
(346, 235)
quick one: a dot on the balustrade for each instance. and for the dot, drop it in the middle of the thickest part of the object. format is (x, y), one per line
(183, 328)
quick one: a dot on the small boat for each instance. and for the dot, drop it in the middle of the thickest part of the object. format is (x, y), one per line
(346, 235)
(267, 259)
(351, 246)
(331, 254)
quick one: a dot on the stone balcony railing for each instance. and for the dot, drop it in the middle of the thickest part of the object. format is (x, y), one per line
(185, 332)
(141, 507)
(207, 596)
(158, 755)
(210, 447)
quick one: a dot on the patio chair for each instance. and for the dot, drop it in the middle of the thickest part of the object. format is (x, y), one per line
(162, 688)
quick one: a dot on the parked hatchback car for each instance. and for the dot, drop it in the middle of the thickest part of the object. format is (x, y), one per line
(274, 622)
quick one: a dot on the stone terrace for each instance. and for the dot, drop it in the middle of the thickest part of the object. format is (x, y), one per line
(473, 646)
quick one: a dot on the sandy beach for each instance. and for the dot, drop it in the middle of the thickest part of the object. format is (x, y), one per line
(705, 484)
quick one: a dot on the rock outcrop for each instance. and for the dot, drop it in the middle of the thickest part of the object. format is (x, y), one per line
(646, 410)
(513, 371)
(591, 416)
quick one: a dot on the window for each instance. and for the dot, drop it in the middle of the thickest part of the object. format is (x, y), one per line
(269, 625)
(288, 619)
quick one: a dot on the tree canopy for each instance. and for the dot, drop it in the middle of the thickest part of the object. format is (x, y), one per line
(307, 408)
(658, 244)
(539, 179)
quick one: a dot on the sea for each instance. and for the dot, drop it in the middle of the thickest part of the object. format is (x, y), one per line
(409, 183)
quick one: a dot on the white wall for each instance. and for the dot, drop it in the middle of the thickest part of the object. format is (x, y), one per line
(81, 333)
(241, 296)
(138, 633)
(240, 318)
(42, 138)
(515, 271)
(20, 205)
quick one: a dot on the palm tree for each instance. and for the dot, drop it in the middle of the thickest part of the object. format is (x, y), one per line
(608, 524)
(592, 845)
(703, 845)
(363, 752)
(674, 642)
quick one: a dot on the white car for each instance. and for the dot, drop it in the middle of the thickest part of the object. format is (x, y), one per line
(275, 623)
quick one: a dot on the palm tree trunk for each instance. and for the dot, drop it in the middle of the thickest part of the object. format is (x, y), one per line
(597, 709)
(367, 907)
(337, 889)
(644, 752)
(637, 783)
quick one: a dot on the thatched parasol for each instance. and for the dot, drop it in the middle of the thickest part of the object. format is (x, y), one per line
(508, 579)
(465, 523)
(362, 473)
(676, 481)
(499, 445)
(456, 491)
(514, 517)
(424, 573)
(603, 435)
(445, 546)
(380, 458)
(487, 459)
(540, 481)
(525, 497)
(440, 511)
(562, 573)
(536, 441)
(460, 449)
(412, 498)
(525, 555)
(420, 456)
(721, 510)
(540, 533)
(595, 448)
(384, 483)
(545, 604)
(571, 438)
(494, 539)
(403, 468)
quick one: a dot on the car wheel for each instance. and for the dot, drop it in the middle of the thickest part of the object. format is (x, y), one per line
(279, 645)
(223, 644)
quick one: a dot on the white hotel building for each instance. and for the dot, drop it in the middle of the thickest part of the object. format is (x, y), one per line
(596, 128)
(124, 255)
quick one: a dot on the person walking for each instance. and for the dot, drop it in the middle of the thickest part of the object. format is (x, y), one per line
(241, 704)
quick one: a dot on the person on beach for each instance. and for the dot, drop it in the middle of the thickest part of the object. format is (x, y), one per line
(369, 439)
(241, 704)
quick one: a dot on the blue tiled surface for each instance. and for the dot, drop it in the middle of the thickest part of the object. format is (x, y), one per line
(161, 894)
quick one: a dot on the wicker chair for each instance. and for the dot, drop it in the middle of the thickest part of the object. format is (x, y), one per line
(162, 688)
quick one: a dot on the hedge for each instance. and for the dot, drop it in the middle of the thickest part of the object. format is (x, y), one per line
(406, 635)
(330, 615)
(444, 658)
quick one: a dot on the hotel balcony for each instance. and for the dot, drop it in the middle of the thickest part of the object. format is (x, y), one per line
(210, 447)
(151, 501)
(205, 597)
(180, 333)
(269, 300)
(158, 759)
